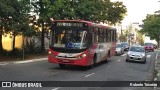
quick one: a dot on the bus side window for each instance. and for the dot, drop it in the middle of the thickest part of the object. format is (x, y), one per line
(91, 35)
(109, 35)
(104, 35)
(115, 35)
(99, 35)
(96, 35)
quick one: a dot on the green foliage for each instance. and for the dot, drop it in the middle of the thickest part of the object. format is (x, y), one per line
(117, 11)
(14, 18)
(140, 38)
(93, 10)
(152, 27)
(123, 38)
(17, 53)
(30, 47)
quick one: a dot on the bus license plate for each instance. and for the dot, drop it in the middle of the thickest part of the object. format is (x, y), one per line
(65, 60)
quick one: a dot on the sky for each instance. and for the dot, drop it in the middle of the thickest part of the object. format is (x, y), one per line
(138, 9)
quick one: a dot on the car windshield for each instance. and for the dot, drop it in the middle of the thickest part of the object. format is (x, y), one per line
(74, 39)
(118, 45)
(137, 49)
(125, 44)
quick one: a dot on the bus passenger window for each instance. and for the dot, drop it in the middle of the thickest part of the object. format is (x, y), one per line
(109, 36)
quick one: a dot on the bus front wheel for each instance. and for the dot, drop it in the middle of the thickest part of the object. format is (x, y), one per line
(94, 61)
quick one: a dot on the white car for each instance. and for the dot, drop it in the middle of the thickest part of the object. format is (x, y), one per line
(136, 53)
(119, 49)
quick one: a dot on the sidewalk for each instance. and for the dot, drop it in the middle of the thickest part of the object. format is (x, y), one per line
(29, 58)
(157, 68)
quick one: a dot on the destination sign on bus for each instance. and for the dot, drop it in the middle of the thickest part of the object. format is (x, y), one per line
(69, 24)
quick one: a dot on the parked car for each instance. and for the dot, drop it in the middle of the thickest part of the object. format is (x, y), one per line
(155, 46)
(136, 53)
(125, 46)
(119, 49)
(149, 46)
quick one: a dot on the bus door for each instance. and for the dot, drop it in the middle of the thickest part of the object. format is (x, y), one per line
(99, 52)
(103, 51)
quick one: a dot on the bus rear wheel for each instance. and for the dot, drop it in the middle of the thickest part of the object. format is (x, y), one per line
(62, 65)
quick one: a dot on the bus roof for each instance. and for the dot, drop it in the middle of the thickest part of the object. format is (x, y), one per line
(89, 22)
(72, 21)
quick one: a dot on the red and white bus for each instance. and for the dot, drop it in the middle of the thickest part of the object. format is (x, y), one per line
(82, 43)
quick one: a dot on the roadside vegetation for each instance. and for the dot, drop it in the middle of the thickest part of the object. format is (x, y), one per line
(151, 27)
(18, 17)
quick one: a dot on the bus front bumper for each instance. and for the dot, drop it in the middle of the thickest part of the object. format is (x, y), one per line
(77, 62)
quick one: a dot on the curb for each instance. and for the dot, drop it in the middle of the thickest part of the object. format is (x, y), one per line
(25, 61)
(157, 69)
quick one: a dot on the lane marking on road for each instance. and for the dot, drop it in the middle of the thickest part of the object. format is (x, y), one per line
(124, 55)
(119, 60)
(157, 56)
(148, 56)
(89, 75)
(56, 88)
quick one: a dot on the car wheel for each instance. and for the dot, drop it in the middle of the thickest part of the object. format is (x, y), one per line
(127, 60)
(144, 62)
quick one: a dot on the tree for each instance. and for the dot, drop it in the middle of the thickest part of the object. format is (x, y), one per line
(151, 27)
(122, 38)
(93, 10)
(15, 20)
(19, 22)
(42, 9)
(116, 12)
(140, 38)
(4, 28)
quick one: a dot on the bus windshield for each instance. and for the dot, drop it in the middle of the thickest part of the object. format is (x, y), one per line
(69, 39)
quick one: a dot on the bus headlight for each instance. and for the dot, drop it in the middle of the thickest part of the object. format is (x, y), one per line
(50, 53)
(81, 56)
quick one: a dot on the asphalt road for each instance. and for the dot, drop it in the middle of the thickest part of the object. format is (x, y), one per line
(115, 70)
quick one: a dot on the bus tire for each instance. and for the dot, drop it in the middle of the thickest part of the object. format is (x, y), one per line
(108, 56)
(94, 61)
(61, 65)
